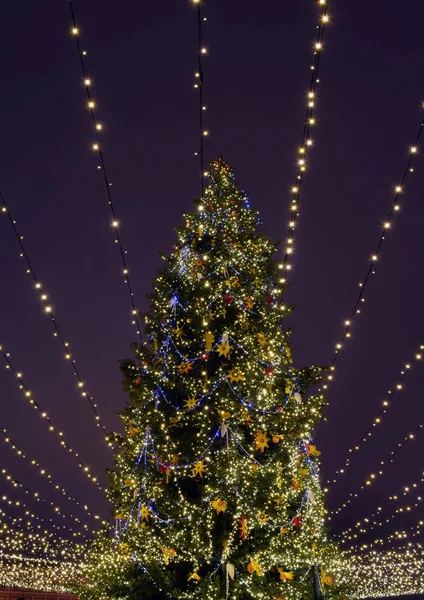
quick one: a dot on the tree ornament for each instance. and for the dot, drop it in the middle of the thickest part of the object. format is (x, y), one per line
(168, 553)
(235, 375)
(254, 567)
(145, 513)
(297, 397)
(262, 517)
(296, 521)
(223, 349)
(133, 430)
(326, 579)
(185, 367)
(243, 527)
(248, 302)
(224, 414)
(263, 342)
(228, 299)
(209, 338)
(138, 381)
(219, 505)
(270, 300)
(285, 575)
(199, 468)
(276, 438)
(311, 450)
(261, 441)
(269, 371)
(190, 403)
(165, 468)
(194, 576)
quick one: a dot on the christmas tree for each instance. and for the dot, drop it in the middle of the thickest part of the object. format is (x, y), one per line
(216, 488)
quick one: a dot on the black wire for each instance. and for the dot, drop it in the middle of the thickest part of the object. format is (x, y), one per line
(58, 332)
(201, 81)
(306, 131)
(380, 242)
(106, 179)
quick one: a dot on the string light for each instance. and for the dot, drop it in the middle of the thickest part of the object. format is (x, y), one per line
(199, 82)
(379, 417)
(52, 428)
(19, 452)
(377, 473)
(307, 142)
(39, 498)
(394, 208)
(96, 146)
(44, 298)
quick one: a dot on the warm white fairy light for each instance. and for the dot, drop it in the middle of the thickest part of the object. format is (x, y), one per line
(386, 403)
(306, 141)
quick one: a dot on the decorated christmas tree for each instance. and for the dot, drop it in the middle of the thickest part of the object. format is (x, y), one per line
(216, 490)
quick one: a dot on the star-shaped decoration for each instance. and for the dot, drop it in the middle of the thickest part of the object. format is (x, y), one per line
(190, 403)
(276, 438)
(219, 505)
(178, 331)
(145, 513)
(311, 450)
(223, 349)
(262, 517)
(199, 468)
(248, 302)
(185, 367)
(243, 527)
(235, 375)
(261, 441)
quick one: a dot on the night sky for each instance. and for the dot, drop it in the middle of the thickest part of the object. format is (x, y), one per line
(142, 57)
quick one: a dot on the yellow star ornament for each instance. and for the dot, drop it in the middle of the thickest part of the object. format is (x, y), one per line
(185, 367)
(223, 349)
(190, 403)
(145, 513)
(261, 441)
(235, 375)
(199, 468)
(219, 505)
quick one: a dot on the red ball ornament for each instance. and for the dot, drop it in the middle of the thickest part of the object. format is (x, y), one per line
(297, 521)
(270, 300)
(269, 371)
(164, 467)
(138, 381)
(228, 299)
(205, 356)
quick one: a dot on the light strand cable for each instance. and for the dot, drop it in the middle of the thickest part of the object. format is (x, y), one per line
(378, 418)
(44, 415)
(98, 148)
(48, 309)
(306, 140)
(394, 208)
(44, 473)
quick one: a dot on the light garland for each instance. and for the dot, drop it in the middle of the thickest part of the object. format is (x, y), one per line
(307, 142)
(39, 498)
(52, 428)
(374, 476)
(19, 452)
(379, 417)
(48, 309)
(97, 147)
(201, 52)
(387, 224)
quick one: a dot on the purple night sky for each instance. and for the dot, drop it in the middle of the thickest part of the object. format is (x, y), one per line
(142, 57)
